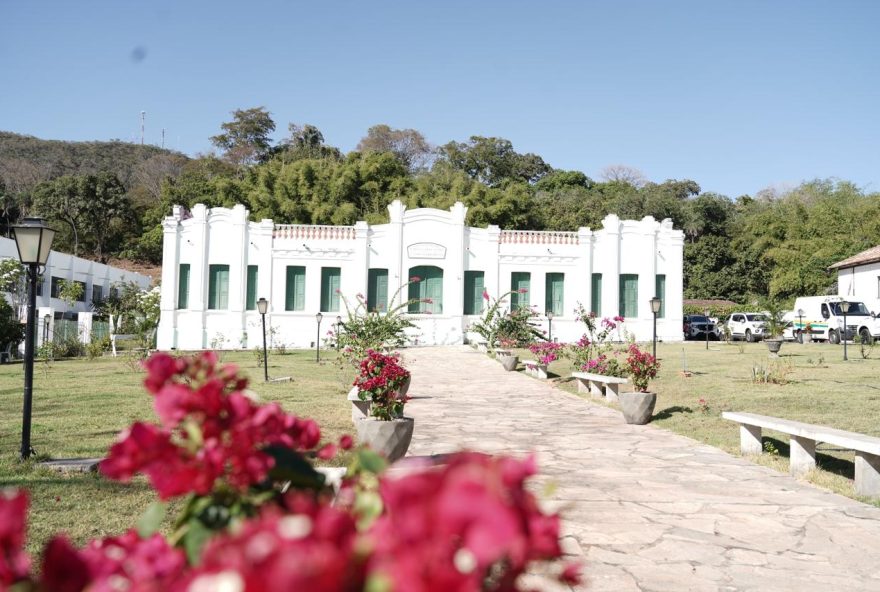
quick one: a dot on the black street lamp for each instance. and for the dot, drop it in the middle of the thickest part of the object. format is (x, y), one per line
(844, 308)
(34, 241)
(263, 307)
(550, 325)
(339, 324)
(318, 317)
(800, 314)
(655, 308)
(707, 328)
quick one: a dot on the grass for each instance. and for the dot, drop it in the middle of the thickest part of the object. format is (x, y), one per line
(819, 387)
(81, 405)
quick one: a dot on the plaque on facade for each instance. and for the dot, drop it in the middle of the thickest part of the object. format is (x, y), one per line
(426, 251)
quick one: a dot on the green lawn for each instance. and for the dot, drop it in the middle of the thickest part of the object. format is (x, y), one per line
(821, 389)
(81, 405)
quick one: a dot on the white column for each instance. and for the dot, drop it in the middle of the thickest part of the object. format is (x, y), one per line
(611, 269)
(492, 279)
(167, 331)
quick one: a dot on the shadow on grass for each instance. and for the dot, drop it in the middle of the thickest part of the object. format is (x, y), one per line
(826, 462)
(670, 411)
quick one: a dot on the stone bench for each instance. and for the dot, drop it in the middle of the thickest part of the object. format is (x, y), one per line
(114, 339)
(481, 345)
(599, 385)
(359, 409)
(536, 369)
(803, 446)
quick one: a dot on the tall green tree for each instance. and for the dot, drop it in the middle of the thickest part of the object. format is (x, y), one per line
(493, 161)
(246, 139)
(409, 146)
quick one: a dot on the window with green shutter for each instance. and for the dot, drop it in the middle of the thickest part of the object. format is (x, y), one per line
(426, 295)
(183, 286)
(330, 286)
(596, 294)
(554, 290)
(295, 288)
(473, 292)
(218, 287)
(660, 292)
(377, 290)
(629, 296)
(250, 302)
(520, 284)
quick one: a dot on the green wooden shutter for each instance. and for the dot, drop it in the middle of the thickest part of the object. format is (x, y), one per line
(183, 286)
(596, 294)
(430, 287)
(415, 290)
(520, 280)
(330, 285)
(295, 288)
(554, 288)
(218, 287)
(251, 300)
(629, 296)
(660, 292)
(434, 291)
(377, 290)
(473, 292)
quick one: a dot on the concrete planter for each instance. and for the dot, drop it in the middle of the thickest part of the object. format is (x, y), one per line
(390, 438)
(637, 407)
(508, 362)
(773, 345)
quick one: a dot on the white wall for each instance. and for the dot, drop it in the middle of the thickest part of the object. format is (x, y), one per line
(411, 238)
(70, 268)
(861, 283)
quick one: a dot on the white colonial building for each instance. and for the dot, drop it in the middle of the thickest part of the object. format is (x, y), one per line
(858, 278)
(217, 264)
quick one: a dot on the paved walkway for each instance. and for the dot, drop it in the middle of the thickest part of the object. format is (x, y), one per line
(648, 510)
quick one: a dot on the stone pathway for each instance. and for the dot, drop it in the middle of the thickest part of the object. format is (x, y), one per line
(646, 509)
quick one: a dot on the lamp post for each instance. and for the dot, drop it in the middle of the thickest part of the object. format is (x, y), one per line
(263, 307)
(318, 317)
(34, 241)
(844, 308)
(550, 325)
(706, 312)
(655, 308)
(338, 325)
(800, 314)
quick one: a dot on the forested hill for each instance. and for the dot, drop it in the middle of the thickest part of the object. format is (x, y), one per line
(107, 199)
(26, 160)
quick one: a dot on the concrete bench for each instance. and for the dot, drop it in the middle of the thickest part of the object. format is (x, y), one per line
(599, 385)
(114, 339)
(481, 345)
(502, 352)
(803, 446)
(536, 369)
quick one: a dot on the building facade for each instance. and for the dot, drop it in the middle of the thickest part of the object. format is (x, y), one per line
(217, 264)
(858, 278)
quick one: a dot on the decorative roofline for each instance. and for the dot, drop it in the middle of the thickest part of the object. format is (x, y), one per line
(309, 231)
(539, 237)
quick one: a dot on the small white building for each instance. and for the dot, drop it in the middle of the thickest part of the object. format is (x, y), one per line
(217, 264)
(97, 279)
(858, 278)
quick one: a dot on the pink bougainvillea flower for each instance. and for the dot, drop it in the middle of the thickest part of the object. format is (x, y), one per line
(14, 562)
(485, 295)
(619, 319)
(522, 291)
(346, 442)
(415, 279)
(327, 451)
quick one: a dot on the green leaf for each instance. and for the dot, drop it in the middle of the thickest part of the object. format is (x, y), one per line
(197, 534)
(291, 466)
(371, 461)
(151, 519)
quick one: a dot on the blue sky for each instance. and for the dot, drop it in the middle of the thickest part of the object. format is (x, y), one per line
(736, 95)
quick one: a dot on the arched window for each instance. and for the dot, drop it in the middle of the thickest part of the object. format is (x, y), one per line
(428, 291)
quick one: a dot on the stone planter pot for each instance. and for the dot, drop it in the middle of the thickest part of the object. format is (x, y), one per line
(390, 438)
(401, 392)
(773, 345)
(508, 362)
(637, 407)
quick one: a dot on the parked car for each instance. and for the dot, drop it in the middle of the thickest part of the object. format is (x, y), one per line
(696, 326)
(747, 325)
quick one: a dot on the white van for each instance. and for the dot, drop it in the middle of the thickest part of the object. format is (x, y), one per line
(824, 316)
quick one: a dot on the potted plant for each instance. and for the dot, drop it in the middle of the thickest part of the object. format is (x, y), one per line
(382, 382)
(638, 406)
(773, 327)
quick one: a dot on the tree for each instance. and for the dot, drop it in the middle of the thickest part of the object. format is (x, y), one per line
(408, 145)
(304, 142)
(245, 140)
(624, 174)
(493, 161)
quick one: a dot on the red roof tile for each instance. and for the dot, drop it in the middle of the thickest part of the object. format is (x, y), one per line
(872, 255)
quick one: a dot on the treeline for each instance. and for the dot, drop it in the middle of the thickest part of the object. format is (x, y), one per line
(771, 244)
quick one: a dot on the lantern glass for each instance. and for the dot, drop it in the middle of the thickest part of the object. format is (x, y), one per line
(844, 307)
(34, 241)
(655, 304)
(262, 305)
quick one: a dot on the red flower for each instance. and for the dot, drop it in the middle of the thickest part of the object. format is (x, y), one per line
(14, 562)
(485, 295)
(522, 291)
(327, 451)
(346, 442)
(415, 279)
